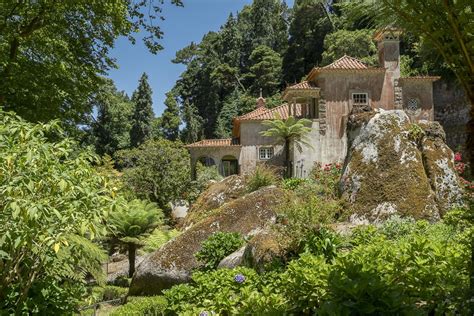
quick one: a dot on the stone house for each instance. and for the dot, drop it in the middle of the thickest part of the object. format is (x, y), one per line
(327, 97)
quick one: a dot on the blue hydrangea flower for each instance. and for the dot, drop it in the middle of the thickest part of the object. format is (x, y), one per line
(239, 278)
(204, 313)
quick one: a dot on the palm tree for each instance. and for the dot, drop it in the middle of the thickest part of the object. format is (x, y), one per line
(131, 223)
(288, 131)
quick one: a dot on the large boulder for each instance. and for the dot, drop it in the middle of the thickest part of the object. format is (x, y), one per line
(217, 194)
(174, 262)
(266, 249)
(396, 167)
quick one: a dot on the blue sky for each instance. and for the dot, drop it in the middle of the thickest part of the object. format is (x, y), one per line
(182, 26)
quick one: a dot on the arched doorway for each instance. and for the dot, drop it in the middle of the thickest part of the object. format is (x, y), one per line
(229, 166)
(207, 161)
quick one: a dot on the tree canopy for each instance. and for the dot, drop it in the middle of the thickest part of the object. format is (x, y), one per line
(53, 53)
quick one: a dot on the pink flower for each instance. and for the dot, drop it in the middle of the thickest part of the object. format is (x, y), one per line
(457, 157)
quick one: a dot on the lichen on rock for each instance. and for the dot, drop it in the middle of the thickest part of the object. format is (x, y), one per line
(387, 171)
(174, 262)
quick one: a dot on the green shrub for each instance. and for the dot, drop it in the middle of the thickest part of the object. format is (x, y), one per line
(121, 281)
(321, 242)
(227, 292)
(262, 176)
(303, 216)
(158, 238)
(305, 283)
(328, 176)
(218, 246)
(292, 183)
(154, 305)
(203, 177)
(111, 292)
(396, 227)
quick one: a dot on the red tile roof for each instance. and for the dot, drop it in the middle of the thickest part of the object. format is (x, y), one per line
(269, 114)
(214, 143)
(303, 86)
(345, 63)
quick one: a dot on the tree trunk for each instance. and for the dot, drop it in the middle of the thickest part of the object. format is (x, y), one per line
(287, 158)
(132, 251)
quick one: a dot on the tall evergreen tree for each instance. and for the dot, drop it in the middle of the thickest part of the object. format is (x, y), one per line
(143, 115)
(111, 129)
(194, 122)
(170, 119)
(309, 26)
(265, 70)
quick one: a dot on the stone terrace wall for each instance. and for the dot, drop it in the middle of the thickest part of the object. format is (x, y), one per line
(451, 109)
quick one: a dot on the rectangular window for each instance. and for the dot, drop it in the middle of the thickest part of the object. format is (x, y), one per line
(265, 153)
(360, 99)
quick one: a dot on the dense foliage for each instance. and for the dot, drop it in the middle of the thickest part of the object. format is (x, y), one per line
(422, 269)
(158, 170)
(131, 222)
(218, 246)
(52, 54)
(52, 208)
(143, 115)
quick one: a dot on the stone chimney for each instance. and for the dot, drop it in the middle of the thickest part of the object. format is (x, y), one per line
(388, 45)
(260, 101)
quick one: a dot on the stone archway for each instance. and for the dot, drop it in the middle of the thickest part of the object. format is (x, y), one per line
(206, 161)
(229, 166)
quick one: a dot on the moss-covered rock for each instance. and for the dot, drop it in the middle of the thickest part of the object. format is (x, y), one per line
(265, 250)
(174, 262)
(228, 189)
(390, 165)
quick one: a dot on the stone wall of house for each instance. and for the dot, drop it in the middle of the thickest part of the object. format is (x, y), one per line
(451, 109)
(420, 91)
(251, 141)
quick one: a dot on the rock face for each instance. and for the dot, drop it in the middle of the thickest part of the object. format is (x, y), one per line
(396, 167)
(173, 263)
(265, 249)
(233, 260)
(216, 195)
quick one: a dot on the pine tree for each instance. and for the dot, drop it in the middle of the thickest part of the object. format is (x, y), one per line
(265, 70)
(170, 119)
(111, 129)
(194, 123)
(309, 26)
(143, 113)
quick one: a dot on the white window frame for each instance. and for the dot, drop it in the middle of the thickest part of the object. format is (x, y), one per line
(265, 153)
(353, 99)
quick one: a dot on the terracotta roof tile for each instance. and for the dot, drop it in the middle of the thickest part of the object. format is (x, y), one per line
(346, 62)
(214, 143)
(303, 86)
(269, 114)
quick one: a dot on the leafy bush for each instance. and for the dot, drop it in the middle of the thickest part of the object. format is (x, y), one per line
(422, 269)
(158, 238)
(154, 305)
(217, 247)
(328, 176)
(158, 170)
(305, 283)
(111, 292)
(203, 177)
(224, 291)
(262, 176)
(303, 215)
(53, 204)
(292, 183)
(321, 242)
(397, 226)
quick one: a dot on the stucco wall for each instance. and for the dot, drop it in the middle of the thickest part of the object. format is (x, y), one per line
(451, 109)
(423, 91)
(325, 148)
(251, 140)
